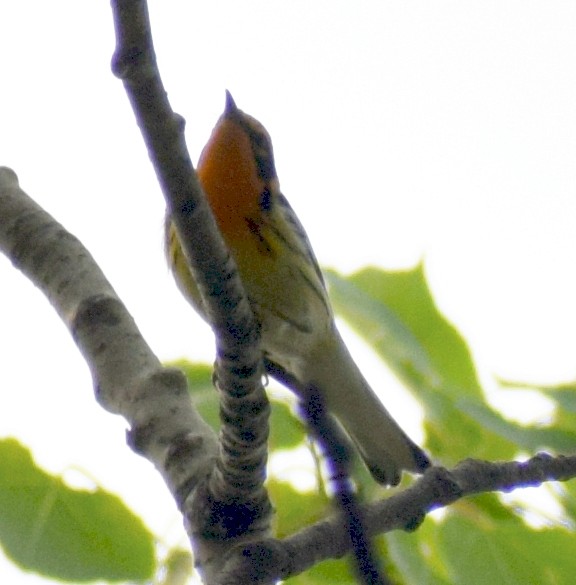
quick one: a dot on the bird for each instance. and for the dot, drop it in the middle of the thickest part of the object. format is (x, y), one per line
(286, 290)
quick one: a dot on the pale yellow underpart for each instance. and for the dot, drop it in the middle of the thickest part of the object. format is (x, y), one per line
(286, 290)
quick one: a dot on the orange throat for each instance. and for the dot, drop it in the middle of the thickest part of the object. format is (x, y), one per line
(228, 174)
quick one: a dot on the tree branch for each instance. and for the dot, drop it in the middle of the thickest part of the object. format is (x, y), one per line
(234, 503)
(128, 378)
(406, 510)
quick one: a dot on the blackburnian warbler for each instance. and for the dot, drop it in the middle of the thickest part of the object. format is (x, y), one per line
(286, 290)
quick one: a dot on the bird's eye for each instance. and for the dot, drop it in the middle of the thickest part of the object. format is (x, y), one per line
(265, 165)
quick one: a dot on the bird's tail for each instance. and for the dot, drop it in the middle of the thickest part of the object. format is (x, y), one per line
(383, 445)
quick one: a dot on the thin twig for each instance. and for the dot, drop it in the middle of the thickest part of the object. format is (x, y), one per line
(324, 429)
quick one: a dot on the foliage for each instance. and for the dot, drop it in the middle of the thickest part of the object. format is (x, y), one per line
(480, 540)
(80, 535)
(61, 532)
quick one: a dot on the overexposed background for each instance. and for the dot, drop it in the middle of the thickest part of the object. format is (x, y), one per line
(444, 130)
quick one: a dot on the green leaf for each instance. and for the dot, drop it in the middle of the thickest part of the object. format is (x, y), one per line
(286, 430)
(563, 394)
(395, 312)
(327, 573)
(414, 558)
(418, 556)
(381, 326)
(454, 433)
(178, 567)
(528, 437)
(295, 509)
(487, 509)
(567, 493)
(64, 533)
(560, 433)
(511, 553)
(204, 395)
(565, 397)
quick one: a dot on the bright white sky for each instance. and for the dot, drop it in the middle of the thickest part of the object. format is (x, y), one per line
(401, 129)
